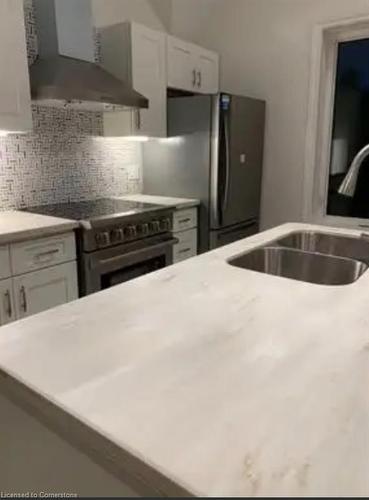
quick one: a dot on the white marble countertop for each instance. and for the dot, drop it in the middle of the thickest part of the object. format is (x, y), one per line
(17, 226)
(177, 203)
(225, 381)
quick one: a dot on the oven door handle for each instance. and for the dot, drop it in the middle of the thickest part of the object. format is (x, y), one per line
(119, 257)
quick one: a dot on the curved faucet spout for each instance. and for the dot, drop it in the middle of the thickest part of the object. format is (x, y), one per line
(348, 185)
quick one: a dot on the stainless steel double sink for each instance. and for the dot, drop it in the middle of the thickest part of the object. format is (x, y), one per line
(313, 257)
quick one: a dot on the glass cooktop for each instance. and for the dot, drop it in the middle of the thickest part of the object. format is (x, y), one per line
(93, 209)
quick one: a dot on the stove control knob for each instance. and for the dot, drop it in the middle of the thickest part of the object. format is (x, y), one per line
(103, 239)
(165, 224)
(131, 231)
(143, 229)
(117, 235)
(155, 226)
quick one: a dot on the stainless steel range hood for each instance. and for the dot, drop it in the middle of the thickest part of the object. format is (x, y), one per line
(65, 73)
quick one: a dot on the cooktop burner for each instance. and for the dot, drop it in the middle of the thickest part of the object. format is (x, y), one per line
(93, 209)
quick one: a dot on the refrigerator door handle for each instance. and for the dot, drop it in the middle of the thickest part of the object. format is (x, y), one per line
(215, 197)
(227, 164)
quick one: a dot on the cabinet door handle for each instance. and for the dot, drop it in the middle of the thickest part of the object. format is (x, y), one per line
(23, 298)
(185, 250)
(48, 253)
(194, 78)
(199, 79)
(183, 221)
(8, 304)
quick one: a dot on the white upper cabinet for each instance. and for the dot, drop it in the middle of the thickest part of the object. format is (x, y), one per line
(149, 78)
(181, 64)
(137, 55)
(191, 68)
(207, 63)
(15, 100)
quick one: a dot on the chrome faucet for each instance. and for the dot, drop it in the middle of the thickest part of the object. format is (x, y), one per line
(348, 185)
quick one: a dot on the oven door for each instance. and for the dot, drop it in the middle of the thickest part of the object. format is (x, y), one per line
(105, 268)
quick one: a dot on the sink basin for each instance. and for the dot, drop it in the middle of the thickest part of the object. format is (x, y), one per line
(330, 244)
(302, 266)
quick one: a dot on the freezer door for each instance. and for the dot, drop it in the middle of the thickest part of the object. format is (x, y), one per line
(237, 159)
(231, 234)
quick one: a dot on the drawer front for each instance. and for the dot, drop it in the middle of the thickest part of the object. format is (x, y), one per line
(184, 219)
(31, 255)
(5, 270)
(186, 246)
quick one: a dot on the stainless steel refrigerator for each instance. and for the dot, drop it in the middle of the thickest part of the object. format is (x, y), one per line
(214, 153)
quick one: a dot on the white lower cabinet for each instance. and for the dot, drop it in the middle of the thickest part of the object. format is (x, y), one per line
(185, 230)
(41, 290)
(186, 246)
(5, 269)
(184, 219)
(7, 308)
(31, 255)
(41, 274)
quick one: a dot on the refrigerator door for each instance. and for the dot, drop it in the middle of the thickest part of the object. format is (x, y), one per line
(230, 234)
(237, 158)
(180, 165)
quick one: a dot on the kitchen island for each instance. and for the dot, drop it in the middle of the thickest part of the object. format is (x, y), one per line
(201, 379)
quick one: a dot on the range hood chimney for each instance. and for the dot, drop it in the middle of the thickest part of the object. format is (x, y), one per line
(65, 73)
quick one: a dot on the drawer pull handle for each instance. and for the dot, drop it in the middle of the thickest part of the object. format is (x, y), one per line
(23, 297)
(185, 250)
(48, 253)
(8, 304)
(183, 221)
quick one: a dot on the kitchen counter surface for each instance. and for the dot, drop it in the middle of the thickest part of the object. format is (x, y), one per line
(177, 203)
(18, 226)
(207, 379)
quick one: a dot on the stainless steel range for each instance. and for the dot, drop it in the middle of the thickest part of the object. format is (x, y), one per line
(118, 240)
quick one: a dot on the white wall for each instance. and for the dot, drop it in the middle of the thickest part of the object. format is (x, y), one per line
(265, 48)
(190, 18)
(155, 14)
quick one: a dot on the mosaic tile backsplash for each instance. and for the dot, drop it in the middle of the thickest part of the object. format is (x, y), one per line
(64, 159)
